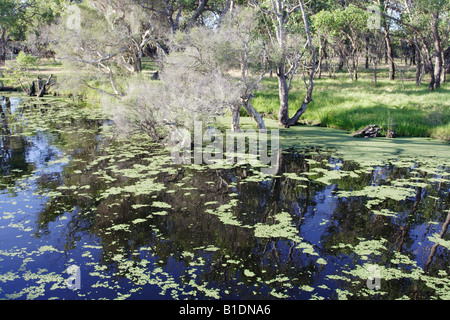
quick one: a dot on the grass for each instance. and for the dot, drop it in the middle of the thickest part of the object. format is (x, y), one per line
(342, 104)
(56, 68)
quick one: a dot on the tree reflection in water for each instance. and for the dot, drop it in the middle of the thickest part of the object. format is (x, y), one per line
(143, 227)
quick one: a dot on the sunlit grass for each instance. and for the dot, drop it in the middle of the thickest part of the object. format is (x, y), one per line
(342, 104)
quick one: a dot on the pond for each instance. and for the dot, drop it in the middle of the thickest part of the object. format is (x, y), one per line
(86, 214)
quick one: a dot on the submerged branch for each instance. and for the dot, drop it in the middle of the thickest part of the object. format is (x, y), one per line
(434, 248)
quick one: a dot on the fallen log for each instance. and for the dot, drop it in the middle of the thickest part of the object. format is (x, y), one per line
(370, 131)
(3, 88)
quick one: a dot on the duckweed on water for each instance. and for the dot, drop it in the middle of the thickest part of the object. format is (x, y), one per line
(282, 228)
(141, 227)
(383, 192)
(436, 238)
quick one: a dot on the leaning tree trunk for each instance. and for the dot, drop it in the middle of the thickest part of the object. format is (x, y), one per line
(283, 83)
(419, 67)
(255, 115)
(390, 54)
(251, 111)
(310, 84)
(355, 66)
(235, 118)
(4, 38)
(444, 67)
(43, 86)
(438, 51)
(248, 92)
(283, 92)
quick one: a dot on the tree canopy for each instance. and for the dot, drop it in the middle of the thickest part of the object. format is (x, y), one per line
(192, 42)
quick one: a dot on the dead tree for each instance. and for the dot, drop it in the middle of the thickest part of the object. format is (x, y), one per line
(37, 88)
(42, 87)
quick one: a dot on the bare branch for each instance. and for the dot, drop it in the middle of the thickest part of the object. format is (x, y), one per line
(198, 12)
(100, 90)
(92, 62)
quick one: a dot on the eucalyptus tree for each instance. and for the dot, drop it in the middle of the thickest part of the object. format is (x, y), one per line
(134, 28)
(288, 51)
(86, 44)
(174, 12)
(105, 42)
(11, 23)
(181, 15)
(424, 20)
(384, 5)
(8, 12)
(438, 12)
(248, 55)
(347, 30)
(197, 81)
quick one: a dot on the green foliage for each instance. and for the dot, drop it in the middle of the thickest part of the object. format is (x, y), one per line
(21, 70)
(106, 31)
(428, 6)
(349, 19)
(10, 18)
(21, 18)
(7, 9)
(26, 61)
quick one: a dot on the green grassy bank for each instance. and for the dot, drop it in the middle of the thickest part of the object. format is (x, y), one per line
(342, 104)
(338, 102)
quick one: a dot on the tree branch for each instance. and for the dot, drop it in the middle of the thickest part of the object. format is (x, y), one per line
(100, 90)
(197, 13)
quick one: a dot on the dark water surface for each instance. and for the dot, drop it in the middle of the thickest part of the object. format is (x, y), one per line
(136, 226)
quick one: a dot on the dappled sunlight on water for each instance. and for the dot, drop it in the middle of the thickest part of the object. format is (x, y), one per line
(139, 227)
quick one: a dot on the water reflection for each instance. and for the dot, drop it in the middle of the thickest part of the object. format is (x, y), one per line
(140, 227)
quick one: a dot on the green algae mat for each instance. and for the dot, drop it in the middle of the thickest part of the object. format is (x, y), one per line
(86, 214)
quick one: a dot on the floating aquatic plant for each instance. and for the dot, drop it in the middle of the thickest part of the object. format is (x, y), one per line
(137, 223)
